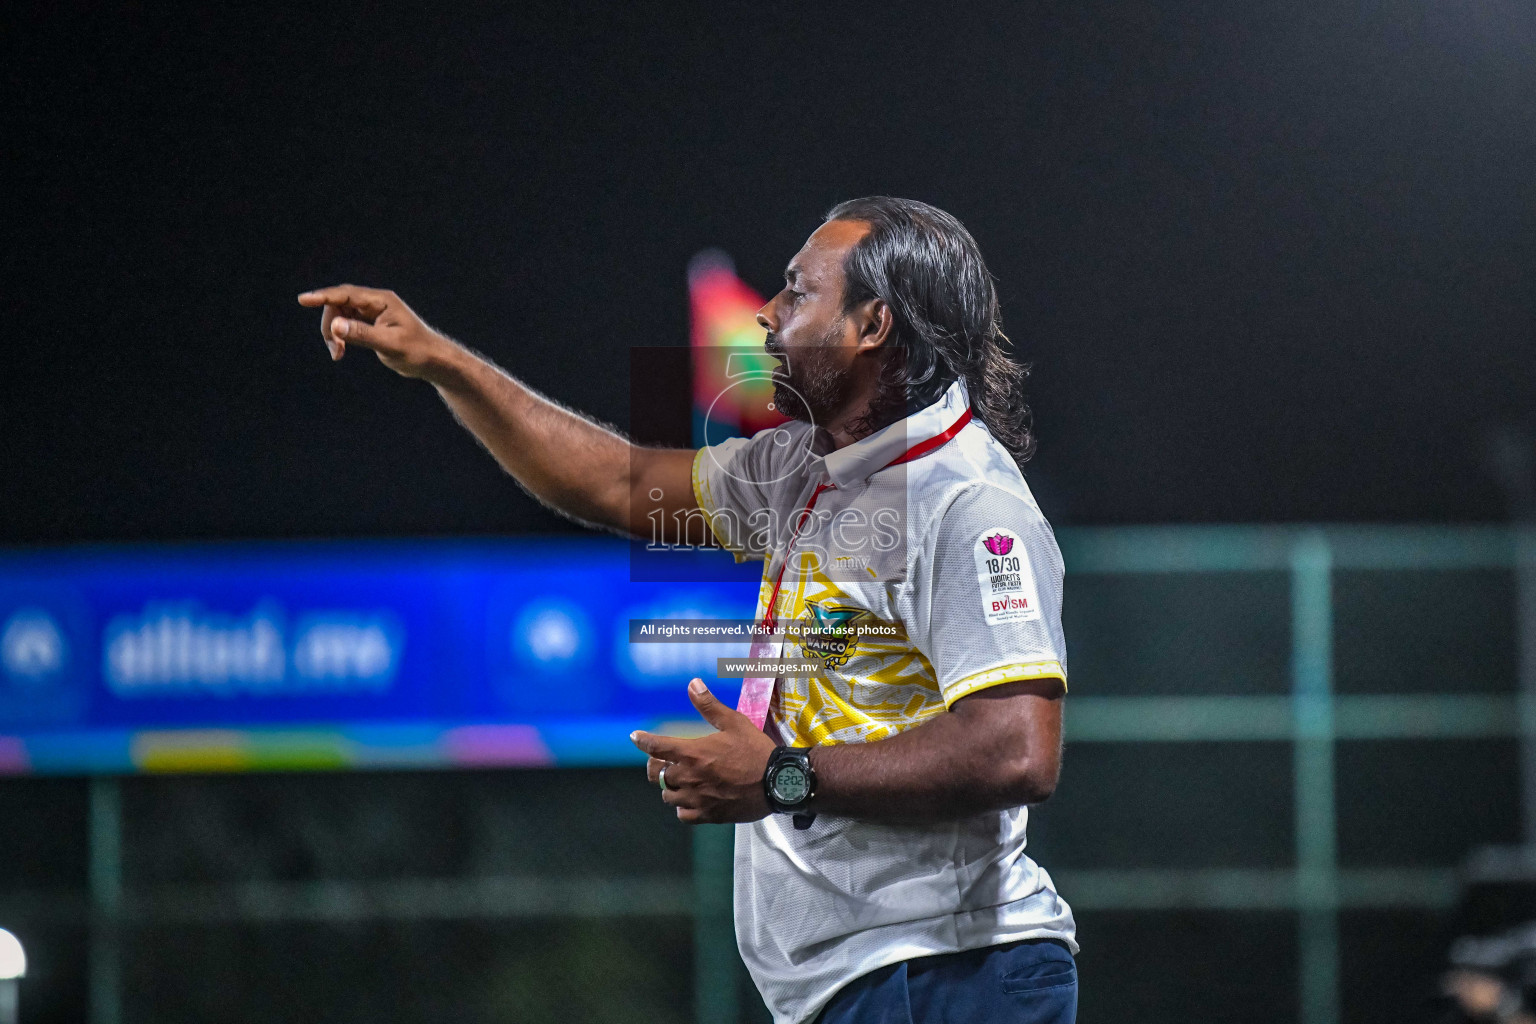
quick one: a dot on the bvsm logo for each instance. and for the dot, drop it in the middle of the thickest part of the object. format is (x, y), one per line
(1010, 604)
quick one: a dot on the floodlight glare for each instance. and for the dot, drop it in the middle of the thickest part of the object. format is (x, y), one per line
(13, 960)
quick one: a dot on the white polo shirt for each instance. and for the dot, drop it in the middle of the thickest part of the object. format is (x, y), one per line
(925, 572)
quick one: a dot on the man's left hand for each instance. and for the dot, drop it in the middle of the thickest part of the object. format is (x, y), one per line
(715, 778)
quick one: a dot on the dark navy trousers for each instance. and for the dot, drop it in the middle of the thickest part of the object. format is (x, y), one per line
(1028, 982)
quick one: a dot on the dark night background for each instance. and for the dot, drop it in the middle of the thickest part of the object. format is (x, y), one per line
(1272, 261)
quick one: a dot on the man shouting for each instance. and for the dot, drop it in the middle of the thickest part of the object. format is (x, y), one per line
(881, 799)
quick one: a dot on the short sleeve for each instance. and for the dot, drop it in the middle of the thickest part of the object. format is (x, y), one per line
(735, 484)
(987, 594)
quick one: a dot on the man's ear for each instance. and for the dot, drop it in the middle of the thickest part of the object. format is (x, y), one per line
(875, 322)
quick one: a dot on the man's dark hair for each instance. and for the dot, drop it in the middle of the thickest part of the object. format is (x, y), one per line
(928, 269)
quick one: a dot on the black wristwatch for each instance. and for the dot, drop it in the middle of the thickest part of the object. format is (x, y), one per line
(790, 783)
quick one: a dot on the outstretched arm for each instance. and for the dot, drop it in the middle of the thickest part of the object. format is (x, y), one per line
(999, 747)
(566, 461)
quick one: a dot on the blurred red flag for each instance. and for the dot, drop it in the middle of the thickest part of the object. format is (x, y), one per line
(732, 375)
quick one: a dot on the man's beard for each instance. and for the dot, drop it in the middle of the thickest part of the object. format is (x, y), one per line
(816, 387)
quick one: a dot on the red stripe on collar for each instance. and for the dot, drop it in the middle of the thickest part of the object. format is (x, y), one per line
(922, 448)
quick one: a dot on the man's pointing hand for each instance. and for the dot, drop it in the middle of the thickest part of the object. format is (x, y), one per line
(714, 778)
(376, 319)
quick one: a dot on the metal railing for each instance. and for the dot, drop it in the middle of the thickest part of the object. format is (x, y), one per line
(1312, 718)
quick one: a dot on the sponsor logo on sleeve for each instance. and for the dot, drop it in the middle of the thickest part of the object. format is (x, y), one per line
(1007, 586)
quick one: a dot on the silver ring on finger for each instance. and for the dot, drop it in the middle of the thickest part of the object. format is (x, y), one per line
(661, 777)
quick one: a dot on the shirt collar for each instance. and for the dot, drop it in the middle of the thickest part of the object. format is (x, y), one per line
(866, 457)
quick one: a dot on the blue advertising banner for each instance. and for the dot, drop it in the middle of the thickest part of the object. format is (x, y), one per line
(236, 657)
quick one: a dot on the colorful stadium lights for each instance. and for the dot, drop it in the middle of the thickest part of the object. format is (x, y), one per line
(732, 375)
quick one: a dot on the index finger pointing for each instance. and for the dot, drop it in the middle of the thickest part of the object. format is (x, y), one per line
(667, 748)
(368, 301)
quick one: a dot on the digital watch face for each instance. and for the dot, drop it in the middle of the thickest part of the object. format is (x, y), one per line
(790, 784)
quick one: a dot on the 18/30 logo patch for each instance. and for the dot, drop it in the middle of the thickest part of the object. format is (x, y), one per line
(1007, 585)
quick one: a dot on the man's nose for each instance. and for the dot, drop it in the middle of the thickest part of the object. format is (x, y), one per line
(765, 319)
